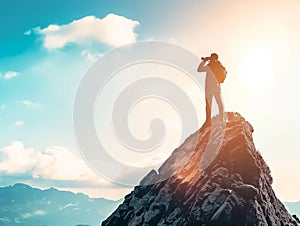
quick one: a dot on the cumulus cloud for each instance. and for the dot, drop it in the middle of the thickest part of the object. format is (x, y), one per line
(10, 75)
(55, 163)
(17, 159)
(113, 30)
(19, 123)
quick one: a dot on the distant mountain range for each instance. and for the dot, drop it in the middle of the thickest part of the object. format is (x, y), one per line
(293, 207)
(23, 205)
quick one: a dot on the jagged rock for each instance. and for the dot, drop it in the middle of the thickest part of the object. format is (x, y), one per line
(297, 219)
(246, 191)
(216, 177)
(151, 178)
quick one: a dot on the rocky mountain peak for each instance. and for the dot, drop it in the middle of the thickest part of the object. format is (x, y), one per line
(216, 177)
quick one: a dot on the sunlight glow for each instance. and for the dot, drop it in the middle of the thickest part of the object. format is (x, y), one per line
(257, 70)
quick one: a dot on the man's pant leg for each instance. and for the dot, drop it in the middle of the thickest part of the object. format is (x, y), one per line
(219, 100)
(208, 99)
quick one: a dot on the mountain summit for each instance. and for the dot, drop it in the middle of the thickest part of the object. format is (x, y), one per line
(216, 177)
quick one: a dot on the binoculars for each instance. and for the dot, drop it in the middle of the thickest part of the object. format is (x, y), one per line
(205, 58)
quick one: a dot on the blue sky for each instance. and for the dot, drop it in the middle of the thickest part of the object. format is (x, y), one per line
(18, 17)
(38, 84)
(39, 79)
(54, 86)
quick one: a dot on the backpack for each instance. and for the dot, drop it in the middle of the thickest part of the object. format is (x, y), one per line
(218, 70)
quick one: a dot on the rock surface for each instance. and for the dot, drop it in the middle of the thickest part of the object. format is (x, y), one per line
(216, 177)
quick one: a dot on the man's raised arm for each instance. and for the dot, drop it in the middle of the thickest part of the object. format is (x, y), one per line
(202, 67)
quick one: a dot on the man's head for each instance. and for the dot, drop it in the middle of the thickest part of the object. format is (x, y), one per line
(214, 56)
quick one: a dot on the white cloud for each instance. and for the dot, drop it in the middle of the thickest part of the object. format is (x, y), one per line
(10, 74)
(2, 106)
(29, 103)
(113, 30)
(34, 213)
(89, 56)
(55, 163)
(69, 205)
(27, 32)
(17, 159)
(4, 219)
(19, 123)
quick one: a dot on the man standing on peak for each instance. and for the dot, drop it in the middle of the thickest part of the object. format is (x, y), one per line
(215, 75)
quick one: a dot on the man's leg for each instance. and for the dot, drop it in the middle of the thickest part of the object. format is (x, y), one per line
(208, 98)
(219, 100)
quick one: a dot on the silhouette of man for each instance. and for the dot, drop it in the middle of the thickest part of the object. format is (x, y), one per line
(212, 86)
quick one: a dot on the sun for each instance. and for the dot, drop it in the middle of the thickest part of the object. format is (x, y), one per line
(257, 70)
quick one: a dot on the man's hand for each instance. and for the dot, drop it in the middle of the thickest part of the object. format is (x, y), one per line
(205, 59)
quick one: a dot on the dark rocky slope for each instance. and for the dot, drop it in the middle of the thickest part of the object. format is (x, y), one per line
(216, 177)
